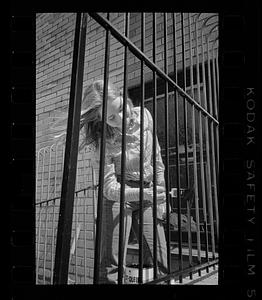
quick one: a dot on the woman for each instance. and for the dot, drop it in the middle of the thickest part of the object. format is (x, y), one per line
(91, 123)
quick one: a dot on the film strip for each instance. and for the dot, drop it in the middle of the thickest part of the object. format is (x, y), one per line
(239, 143)
(240, 146)
(21, 163)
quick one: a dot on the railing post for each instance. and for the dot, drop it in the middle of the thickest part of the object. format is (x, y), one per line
(167, 177)
(141, 165)
(176, 111)
(123, 165)
(71, 152)
(154, 152)
(100, 197)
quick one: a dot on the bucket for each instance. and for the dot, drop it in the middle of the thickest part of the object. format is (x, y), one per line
(132, 271)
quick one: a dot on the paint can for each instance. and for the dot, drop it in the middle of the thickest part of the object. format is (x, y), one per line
(132, 271)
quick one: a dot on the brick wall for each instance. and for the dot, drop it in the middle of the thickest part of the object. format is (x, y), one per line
(54, 47)
(49, 178)
(54, 51)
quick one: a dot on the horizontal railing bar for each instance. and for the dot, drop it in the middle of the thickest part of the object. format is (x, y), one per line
(91, 187)
(161, 96)
(183, 272)
(126, 42)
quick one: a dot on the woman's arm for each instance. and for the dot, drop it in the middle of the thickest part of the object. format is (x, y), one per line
(112, 188)
(160, 167)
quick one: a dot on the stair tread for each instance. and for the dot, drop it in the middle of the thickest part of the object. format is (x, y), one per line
(185, 251)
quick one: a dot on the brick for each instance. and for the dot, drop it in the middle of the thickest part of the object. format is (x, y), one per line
(96, 73)
(64, 58)
(50, 107)
(63, 69)
(65, 47)
(69, 51)
(58, 65)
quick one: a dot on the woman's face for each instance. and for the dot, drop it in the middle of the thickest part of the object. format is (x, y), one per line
(115, 112)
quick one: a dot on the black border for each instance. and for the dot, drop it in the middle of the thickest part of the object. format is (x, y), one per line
(240, 66)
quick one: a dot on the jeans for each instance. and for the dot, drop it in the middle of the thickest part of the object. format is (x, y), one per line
(110, 237)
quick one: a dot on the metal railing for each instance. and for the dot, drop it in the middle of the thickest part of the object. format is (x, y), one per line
(48, 196)
(191, 165)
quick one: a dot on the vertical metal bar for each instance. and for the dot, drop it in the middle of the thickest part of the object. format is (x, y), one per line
(154, 153)
(53, 170)
(216, 135)
(217, 127)
(71, 151)
(85, 212)
(217, 84)
(42, 177)
(207, 137)
(215, 97)
(76, 223)
(49, 171)
(209, 76)
(216, 91)
(167, 148)
(62, 170)
(184, 107)
(177, 151)
(217, 69)
(38, 244)
(94, 204)
(201, 155)
(194, 144)
(75, 250)
(184, 99)
(52, 247)
(102, 161)
(39, 220)
(141, 167)
(210, 172)
(214, 80)
(94, 207)
(56, 151)
(37, 173)
(203, 179)
(45, 240)
(212, 129)
(123, 164)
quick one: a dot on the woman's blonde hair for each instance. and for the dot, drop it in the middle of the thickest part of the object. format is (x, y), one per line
(90, 120)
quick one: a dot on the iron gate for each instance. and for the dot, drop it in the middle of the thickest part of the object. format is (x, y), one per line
(187, 98)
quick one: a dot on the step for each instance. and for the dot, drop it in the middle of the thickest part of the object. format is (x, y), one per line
(132, 257)
(133, 248)
(206, 278)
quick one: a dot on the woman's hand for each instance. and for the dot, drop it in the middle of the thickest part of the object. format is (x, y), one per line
(160, 194)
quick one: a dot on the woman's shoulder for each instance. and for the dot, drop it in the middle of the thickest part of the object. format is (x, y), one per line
(147, 116)
(137, 111)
